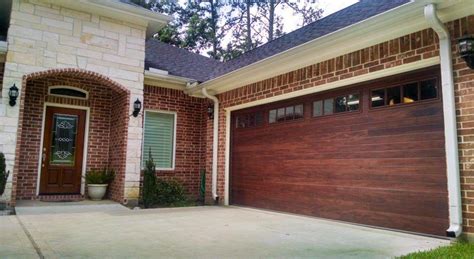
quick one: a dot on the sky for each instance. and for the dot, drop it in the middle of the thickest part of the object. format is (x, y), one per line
(329, 7)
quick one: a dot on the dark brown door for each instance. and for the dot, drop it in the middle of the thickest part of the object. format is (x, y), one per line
(63, 145)
(381, 166)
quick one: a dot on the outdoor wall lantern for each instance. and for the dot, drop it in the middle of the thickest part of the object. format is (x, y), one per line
(13, 94)
(466, 49)
(137, 107)
(210, 111)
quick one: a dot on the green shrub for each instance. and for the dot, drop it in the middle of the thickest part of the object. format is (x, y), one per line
(149, 183)
(104, 176)
(170, 193)
(3, 174)
(160, 192)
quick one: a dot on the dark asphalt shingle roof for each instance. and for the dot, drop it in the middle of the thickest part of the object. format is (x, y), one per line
(183, 63)
(178, 62)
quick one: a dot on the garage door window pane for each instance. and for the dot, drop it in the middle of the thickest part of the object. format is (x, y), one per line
(290, 113)
(353, 102)
(259, 119)
(281, 114)
(428, 89)
(299, 111)
(272, 117)
(378, 98)
(328, 106)
(317, 108)
(393, 95)
(410, 93)
(341, 103)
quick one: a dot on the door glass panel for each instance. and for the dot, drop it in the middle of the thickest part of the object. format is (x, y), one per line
(63, 146)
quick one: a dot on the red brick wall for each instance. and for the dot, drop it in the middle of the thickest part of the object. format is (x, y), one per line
(189, 133)
(118, 144)
(100, 102)
(407, 49)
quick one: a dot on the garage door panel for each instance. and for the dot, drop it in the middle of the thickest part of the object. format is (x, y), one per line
(426, 182)
(354, 145)
(377, 166)
(247, 137)
(328, 200)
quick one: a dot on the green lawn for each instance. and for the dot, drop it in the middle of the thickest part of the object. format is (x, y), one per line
(458, 250)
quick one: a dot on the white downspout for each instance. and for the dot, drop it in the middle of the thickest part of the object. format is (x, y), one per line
(450, 126)
(214, 142)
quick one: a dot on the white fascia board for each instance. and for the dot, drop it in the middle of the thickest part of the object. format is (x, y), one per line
(3, 47)
(386, 26)
(167, 81)
(118, 10)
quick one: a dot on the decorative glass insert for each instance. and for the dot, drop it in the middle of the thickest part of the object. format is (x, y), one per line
(63, 141)
(68, 92)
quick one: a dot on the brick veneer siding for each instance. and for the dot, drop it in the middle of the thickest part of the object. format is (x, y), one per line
(118, 144)
(410, 48)
(190, 133)
(106, 121)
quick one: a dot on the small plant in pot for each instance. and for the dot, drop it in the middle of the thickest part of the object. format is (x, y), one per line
(97, 182)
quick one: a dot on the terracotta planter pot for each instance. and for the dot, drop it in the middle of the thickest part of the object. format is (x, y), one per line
(96, 191)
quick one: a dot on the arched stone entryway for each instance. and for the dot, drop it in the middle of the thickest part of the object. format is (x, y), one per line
(105, 132)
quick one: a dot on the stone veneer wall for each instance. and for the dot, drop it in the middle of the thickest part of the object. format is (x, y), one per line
(46, 36)
(410, 48)
(190, 134)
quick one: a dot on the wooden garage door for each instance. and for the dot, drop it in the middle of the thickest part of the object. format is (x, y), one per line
(370, 156)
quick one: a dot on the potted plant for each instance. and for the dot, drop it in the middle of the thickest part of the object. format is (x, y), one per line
(97, 182)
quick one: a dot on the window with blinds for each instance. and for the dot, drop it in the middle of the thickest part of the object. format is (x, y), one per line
(159, 137)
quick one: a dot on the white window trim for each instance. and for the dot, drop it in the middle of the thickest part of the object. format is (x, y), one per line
(174, 139)
(68, 87)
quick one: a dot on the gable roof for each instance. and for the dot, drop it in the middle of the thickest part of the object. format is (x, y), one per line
(353, 14)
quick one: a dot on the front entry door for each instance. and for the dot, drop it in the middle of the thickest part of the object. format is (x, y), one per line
(62, 156)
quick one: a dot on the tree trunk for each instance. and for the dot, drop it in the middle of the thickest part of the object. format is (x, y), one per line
(271, 20)
(249, 32)
(213, 27)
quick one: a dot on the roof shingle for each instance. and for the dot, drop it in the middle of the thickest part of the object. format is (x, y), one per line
(178, 62)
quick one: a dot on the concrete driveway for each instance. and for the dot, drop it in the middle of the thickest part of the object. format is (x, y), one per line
(112, 231)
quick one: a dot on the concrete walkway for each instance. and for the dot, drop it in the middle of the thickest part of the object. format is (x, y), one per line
(112, 231)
